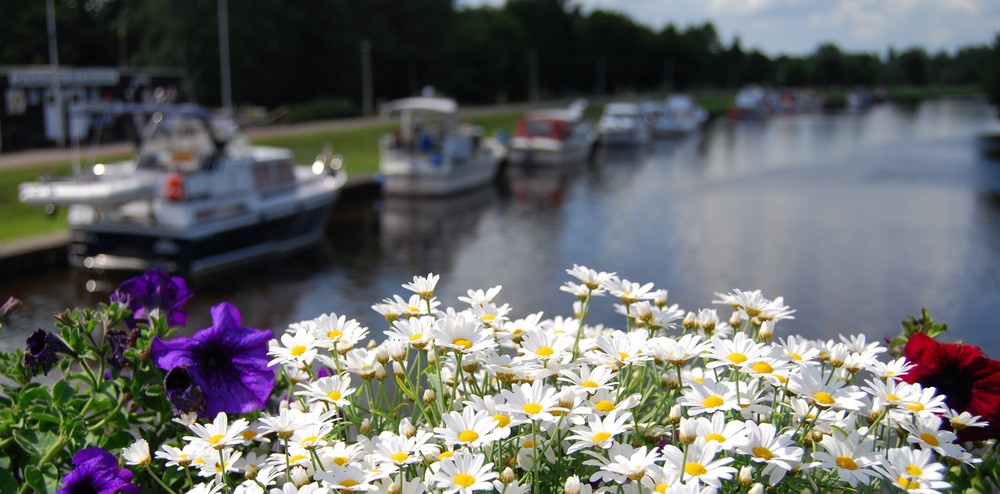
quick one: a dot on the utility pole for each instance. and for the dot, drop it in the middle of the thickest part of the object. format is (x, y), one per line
(56, 87)
(533, 75)
(366, 76)
(227, 91)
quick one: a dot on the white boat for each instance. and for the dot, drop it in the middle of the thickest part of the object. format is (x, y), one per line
(555, 137)
(751, 102)
(196, 198)
(678, 115)
(622, 124)
(432, 154)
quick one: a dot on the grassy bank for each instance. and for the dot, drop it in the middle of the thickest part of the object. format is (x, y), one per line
(358, 146)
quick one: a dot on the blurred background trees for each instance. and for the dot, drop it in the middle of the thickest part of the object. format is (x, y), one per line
(309, 50)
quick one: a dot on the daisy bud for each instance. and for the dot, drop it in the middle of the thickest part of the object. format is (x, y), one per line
(736, 320)
(470, 365)
(432, 359)
(398, 370)
(507, 476)
(567, 399)
(660, 298)
(876, 409)
(690, 321)
(766, 332)
(756, 321)
(137, 454)
(674, 416)
(382, 355)
(578, 309)
(572, 485)
(746, 475)
(429, 396)
(838, 355)
(757, 488)
(395, 488)
(380, 373)
(652, 434)
(688, 430)
(397, 352)
(406, 428)
(669, 381)
(372, 344)
(366, 427)
(300, 477)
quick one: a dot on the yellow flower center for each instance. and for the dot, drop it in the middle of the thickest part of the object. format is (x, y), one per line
(695, 469)
(545, 351)
(794, 356)
(762, 368)
(502, 420)
(737, 358)
(467, 436)
(623, 356)
(661, 488)
(333, 334)
(413, 309)
(713, 401)
(348, 482)
(604, 406)
(445, 455)
(930, 439)
(216, 438)
(600, 436)
(914, 470)
(296, 458)
(532, 408)
(847, 463)
(399, 457)
(891, 397)
(341, 461)
(719, 438)
(762, 452)
(915, 406)
(905, 483)
(823, 397)
(528, 444)
(416, 337)
(590, 384)
(248, 435)
(334, 395)
(297, 350)
(309, 440)
(489, 317)
(464, 480)
(462, 342)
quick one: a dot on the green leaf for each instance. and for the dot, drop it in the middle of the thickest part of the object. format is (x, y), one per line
(35, 442)
(7, 482)
(61, 391)
(33, 476)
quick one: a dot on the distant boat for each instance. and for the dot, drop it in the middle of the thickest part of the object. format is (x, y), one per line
(431, 154)
(555, 137)
(622, 124)
(751, 102)
(678, 115)
(196, 198)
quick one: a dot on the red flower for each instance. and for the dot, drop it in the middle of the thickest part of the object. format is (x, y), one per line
(969, 380)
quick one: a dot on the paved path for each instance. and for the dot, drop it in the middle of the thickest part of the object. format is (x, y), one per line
(35, 157)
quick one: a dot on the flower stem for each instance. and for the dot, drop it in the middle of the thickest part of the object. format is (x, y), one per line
(158, 480)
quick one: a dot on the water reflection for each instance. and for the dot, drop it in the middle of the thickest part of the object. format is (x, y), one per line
(857, 218)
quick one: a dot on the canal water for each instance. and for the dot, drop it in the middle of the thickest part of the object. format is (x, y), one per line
(856, 218)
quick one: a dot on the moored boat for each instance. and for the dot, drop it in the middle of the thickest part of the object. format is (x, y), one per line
(196, 198)
(622, 124)
(554, 137)
(432, 154)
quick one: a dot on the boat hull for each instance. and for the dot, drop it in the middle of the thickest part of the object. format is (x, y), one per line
(99, 248)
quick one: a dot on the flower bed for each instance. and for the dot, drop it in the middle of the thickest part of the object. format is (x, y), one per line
(476, 398)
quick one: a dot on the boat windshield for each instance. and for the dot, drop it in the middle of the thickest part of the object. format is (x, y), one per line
(174, 141)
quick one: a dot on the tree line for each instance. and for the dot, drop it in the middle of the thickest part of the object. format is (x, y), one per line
(294, 52)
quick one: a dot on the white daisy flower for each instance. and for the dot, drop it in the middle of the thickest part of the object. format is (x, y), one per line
(458, 332)
(892, 369)
(214, 466)
(619, 349)
(181, 457)
(765, 445)
(545, 345)
(137, 454)
(470, 428)
(709, 397)
(586, 380)
(914, 470)
(851, 456)
(347, 478)
(464, 473)
(219, 434)
(811, 385)
(961, 421)
(298, 349)
(926, 431)
(337, 333)
(491, 405)
(206, 488)
(627, 291)
(678, 351)
(734, 353)
(285, 423)
(330, 389)
(801, 351)
(479, 298)
(728, 434)
(605, 401)
(423, 285)
(535, 401)
(599, 432)
(699, 464)
(589, 277)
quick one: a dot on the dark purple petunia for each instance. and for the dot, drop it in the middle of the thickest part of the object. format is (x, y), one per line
(227, 361)
(96, 471)
(42, 350)
(184, 394)
(154, 293)
(121, 340)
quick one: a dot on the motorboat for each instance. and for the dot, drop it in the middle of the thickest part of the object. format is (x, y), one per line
(622, 123)
(195, 198)
(752, 102)
(678, 115)
(554, 137)
(431, 153)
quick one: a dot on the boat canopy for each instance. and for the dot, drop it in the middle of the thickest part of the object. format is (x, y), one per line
(420, 104)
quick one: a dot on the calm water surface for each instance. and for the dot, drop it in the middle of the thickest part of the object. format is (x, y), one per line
(857, 219)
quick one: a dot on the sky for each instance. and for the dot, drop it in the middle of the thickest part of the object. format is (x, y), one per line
(797, 27)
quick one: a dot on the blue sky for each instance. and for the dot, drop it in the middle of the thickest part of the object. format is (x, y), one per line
(798, 26)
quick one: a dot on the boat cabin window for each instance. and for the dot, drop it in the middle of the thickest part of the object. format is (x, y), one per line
(273, 174)
(541, 128)
(175, 142)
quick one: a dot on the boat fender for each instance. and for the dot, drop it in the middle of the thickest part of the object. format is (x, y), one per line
(175, 186)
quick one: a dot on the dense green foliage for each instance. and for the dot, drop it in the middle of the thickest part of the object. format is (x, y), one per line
(295, 52)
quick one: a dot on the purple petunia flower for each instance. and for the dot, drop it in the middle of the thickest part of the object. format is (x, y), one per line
(227, 361)
(154, 293)
(96, 471)
(42, 350)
